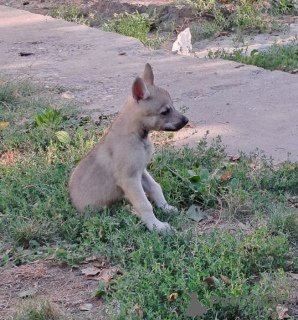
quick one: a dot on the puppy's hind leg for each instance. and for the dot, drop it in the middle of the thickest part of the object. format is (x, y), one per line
(154, 192)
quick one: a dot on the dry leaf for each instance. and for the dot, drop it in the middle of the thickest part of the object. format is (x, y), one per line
(86, 307)
(226, 175)
(291, 168)
(293, 275)
(139, 311)
(173, 297)
(235, 157)
(99, 265)
(211, 280)
(3, 125)
(106, 274)
(226, 280)
(166, 46)
(282, 312)
(89, 259)
(91, 271)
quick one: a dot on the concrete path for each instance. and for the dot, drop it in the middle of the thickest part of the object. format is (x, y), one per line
(248, 106)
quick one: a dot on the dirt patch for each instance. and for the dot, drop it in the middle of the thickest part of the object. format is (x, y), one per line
(99, 11)
(62, 286)
(9, 157)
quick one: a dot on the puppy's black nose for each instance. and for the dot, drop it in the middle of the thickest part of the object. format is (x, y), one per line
(185, 120)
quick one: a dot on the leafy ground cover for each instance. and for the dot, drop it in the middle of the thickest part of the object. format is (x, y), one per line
(242, 16)
(281, 57)
(241, 241)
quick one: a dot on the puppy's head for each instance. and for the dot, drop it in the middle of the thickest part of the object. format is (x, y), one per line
(154, 105)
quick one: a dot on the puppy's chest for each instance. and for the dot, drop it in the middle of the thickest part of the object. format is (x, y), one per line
(147, 148)
(143, 152)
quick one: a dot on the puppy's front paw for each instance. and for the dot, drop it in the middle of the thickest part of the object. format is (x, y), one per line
(157, 225)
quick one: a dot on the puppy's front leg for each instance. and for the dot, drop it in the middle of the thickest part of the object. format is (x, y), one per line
(134, 191)
(154, 192)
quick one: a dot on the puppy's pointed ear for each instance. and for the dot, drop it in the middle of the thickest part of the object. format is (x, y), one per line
(148, 76)
(139, 90)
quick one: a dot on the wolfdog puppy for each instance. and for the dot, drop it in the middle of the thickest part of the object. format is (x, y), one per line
(116, 166)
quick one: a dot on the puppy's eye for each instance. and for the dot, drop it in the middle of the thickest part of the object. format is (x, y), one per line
(164, 113)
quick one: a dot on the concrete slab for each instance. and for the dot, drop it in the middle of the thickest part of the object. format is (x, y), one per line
(248, 106)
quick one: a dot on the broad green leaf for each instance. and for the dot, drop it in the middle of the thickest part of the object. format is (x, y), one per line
(194, 179)
(44, 118)
(253, 52)
(63, 137)
(38, 121)
(195, 213)
(81, 132)
(234, 183)
(204, 174)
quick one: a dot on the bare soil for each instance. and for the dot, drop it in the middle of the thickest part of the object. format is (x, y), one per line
(66, 288)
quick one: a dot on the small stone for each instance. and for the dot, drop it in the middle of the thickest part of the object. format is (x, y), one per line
(183, 43)
(86, 307)
(67, 95)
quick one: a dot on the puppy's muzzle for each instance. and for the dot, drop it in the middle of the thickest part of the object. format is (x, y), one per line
(183, 121)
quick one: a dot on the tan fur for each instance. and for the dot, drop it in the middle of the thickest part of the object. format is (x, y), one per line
(116, 166)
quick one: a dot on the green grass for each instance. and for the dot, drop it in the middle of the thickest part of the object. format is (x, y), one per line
(277, 57)
(71, 12)
(37, 220)
(133, 25)
(37, 309)
(136, 25)
(240, 16)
